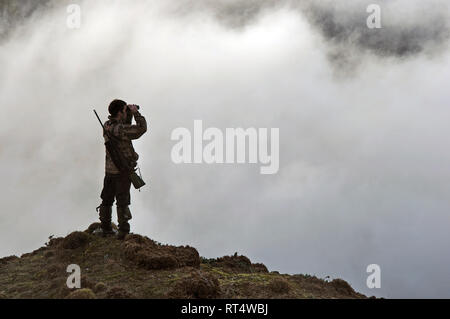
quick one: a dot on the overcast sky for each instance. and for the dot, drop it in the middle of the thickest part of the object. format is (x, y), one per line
(363, 117)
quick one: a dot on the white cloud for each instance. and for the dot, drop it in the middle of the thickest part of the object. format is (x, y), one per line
(363, 159)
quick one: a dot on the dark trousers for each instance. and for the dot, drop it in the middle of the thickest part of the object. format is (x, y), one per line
(116, 187)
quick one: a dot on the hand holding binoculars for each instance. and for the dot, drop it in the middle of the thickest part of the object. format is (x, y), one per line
(132, 107)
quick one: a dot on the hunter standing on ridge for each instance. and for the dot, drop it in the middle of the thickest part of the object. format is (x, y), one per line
(116, 183)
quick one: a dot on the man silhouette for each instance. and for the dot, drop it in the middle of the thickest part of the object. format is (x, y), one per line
(116, 184)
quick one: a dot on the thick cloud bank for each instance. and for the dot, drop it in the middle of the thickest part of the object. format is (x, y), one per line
(364, 170)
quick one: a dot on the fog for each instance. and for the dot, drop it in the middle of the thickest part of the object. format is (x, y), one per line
(363, 118)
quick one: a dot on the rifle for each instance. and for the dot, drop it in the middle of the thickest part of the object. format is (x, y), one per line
(119, 160)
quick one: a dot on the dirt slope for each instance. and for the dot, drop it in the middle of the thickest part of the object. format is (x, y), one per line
(139, 267)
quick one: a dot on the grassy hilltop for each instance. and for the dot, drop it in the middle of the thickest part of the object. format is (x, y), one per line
(139, 267)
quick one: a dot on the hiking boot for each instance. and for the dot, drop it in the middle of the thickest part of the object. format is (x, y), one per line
(123, 216)
(105, 213)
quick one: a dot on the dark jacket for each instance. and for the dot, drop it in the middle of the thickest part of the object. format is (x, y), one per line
(125, 134)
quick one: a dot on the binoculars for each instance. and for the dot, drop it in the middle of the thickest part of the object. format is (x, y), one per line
(129, 115)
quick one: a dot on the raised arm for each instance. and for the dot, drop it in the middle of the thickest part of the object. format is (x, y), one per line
(128, 131)
(134, 132)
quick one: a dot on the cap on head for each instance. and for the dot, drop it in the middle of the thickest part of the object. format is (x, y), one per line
(116, 106)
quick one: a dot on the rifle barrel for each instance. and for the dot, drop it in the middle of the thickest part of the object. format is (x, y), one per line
(98, 118)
